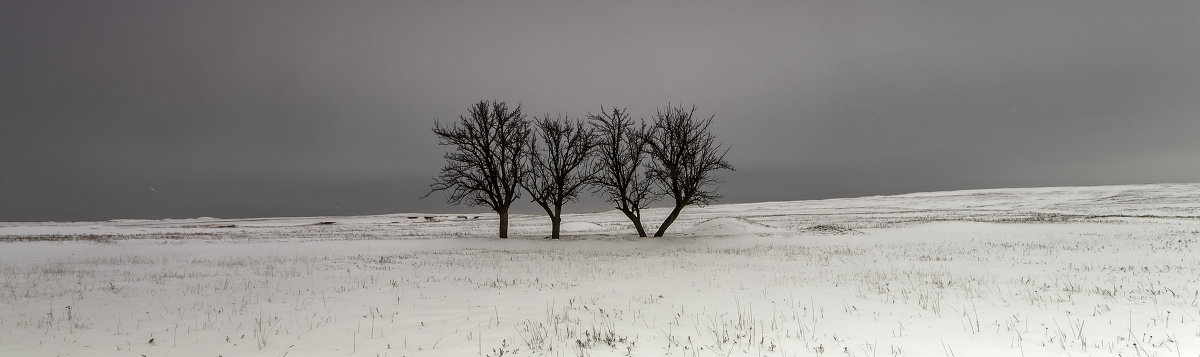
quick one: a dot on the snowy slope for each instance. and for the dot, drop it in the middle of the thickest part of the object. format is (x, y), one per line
(1094, 203)
(1074, 271)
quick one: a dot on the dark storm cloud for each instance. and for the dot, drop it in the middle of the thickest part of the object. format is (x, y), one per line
(177, 109)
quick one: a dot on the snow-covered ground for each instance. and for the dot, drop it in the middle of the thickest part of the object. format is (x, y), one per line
(1081, 271)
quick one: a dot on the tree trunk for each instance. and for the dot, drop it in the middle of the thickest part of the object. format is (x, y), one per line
(670, 219)
(555, 222)
(503, 222)
(637, 222)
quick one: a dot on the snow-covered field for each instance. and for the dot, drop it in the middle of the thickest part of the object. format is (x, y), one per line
(1086, 271)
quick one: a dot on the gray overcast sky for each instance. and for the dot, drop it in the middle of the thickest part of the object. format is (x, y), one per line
(151, 109)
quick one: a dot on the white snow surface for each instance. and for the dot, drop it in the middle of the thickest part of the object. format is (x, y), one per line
(1066, 271)
(731, 226)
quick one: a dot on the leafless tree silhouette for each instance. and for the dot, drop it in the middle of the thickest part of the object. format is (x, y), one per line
(620, 171)
(683, 156)
(559, 166)
(487, 163)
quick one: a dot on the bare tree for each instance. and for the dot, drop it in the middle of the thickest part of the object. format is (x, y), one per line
(488, 161)
(558, 167)
(620, 174)
(683, 156)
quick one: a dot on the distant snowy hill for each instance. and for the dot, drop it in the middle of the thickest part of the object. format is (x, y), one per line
(1048, 204)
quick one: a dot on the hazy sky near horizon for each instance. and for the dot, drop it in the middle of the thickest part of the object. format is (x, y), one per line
(153, 109)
